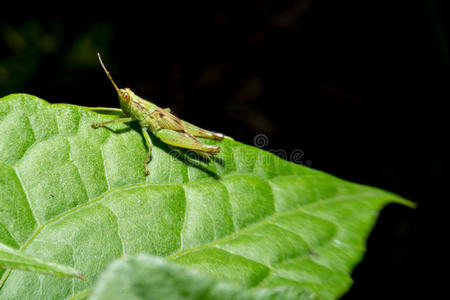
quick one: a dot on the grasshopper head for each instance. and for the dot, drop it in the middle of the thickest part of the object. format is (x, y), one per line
(125, 98)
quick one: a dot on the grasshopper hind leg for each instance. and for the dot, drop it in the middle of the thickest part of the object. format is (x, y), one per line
(186, 141)
(203, 133)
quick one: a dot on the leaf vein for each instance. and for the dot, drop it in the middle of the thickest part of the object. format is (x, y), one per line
(229, 203)
(118, 229)
(186, 211)
(26, 196)
(266, 221)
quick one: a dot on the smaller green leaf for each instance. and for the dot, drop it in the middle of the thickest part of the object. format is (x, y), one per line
(150, 277)
(12, 258)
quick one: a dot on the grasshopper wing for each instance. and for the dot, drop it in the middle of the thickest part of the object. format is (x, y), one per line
(168, 121)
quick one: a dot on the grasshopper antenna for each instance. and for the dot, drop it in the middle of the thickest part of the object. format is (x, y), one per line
(107, 73)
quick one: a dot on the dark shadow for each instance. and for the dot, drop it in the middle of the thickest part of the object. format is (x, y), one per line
(218, 160)
(188, 157)
(185, 156)
(201, 158)
(108, 112)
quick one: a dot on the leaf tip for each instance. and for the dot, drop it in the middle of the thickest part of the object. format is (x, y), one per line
(405, 202)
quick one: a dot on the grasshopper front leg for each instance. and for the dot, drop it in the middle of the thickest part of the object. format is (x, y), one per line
(112, 121)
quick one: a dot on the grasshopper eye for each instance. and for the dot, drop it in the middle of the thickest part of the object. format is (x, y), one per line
(125, 95)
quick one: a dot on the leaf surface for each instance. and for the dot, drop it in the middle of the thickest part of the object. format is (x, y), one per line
(12, 258)
(149, 277)
(78, 196)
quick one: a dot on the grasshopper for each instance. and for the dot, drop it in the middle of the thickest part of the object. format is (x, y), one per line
(161, 123)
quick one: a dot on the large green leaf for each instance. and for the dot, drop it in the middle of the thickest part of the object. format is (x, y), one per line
(78, 196)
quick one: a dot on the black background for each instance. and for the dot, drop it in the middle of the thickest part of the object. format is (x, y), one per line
(359, 86)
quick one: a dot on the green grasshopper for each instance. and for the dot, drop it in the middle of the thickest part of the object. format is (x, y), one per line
(160, 122)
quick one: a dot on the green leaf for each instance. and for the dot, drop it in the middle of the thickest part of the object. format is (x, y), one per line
(150, 277)
(11, 258)
(78, 196)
